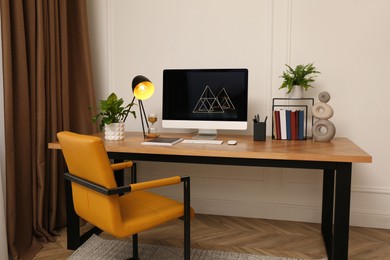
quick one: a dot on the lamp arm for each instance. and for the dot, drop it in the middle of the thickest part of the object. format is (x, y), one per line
(127, 112)
(143, 117)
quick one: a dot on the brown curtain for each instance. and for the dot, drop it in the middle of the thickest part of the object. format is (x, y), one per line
(47, 88)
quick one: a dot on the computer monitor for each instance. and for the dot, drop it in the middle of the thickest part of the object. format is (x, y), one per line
(205, 99)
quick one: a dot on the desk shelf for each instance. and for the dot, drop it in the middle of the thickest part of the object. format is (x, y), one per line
(294, 124)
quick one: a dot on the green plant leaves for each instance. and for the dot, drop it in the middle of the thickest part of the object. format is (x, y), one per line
(302, 75)
(113, 111)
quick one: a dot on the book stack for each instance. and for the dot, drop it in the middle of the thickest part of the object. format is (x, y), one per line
(289, 124)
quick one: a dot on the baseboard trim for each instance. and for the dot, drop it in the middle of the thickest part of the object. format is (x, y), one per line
(287, 212)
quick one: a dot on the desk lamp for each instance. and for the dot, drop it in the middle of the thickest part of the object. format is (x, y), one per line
(143, 89)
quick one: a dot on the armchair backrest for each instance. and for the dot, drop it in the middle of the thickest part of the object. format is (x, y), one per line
(87, 158)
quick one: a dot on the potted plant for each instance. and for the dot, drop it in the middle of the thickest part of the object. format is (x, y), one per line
(302, 75)
(113, 115)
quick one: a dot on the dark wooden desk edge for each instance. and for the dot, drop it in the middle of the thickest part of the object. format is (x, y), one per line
(249, 150)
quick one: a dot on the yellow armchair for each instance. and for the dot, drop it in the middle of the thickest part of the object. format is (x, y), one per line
(98, 200)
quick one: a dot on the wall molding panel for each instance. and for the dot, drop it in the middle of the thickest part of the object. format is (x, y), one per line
(263, 36)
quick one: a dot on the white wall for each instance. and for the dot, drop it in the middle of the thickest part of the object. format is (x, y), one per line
(98, 30)
(348, 40)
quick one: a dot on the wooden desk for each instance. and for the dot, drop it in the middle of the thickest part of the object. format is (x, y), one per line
(334, 158)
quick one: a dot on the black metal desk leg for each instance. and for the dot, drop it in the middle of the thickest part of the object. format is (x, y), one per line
(72, 220)
(342, 211)
(327, 210)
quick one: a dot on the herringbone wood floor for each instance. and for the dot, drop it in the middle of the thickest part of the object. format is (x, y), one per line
(267, 237)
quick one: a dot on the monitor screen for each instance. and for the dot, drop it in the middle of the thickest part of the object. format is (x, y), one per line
(205, 99)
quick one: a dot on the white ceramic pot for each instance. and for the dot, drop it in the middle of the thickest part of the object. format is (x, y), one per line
(296, 92)
(114, 131)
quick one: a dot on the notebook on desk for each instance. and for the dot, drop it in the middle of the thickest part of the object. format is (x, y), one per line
(164, 141)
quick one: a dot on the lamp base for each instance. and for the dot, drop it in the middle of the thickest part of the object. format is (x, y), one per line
(152, 135)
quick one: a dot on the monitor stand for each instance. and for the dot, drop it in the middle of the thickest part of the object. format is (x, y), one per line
(206, 134)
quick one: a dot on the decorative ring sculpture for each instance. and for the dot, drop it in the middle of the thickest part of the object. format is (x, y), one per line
(322, 111)
(324, 130)
(324, 97)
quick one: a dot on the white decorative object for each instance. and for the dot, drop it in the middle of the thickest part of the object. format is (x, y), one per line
(322, 111)
(324, 97)
(296, 92)
(114, 131)
(323, 129)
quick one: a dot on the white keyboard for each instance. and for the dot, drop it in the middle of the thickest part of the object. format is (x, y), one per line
(199, 141)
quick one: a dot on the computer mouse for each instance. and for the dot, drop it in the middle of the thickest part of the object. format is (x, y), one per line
(231, 142)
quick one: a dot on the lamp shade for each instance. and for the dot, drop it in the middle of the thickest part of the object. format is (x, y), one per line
(142, 87)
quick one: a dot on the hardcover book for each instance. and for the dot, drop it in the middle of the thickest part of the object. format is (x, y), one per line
(164, 141)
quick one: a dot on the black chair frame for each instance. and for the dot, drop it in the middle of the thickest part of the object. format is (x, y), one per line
(123, 189)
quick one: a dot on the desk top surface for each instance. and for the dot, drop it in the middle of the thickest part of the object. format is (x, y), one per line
(338, 150)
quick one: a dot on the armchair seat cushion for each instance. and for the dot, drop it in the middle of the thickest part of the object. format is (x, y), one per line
(142, 210)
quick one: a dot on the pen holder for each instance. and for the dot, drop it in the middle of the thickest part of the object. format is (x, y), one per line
(259, 131)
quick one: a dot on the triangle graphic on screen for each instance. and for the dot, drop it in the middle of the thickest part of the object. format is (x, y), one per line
(209, 103)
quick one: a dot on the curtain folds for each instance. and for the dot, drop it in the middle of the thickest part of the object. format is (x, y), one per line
(3, 233)
(47, 88)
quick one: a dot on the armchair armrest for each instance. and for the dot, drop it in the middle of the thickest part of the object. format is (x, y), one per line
(93, 186)
(127, 188)
(121, 166)
(155, 183)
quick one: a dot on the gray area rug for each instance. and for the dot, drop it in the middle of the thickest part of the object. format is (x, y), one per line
(99, 248)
